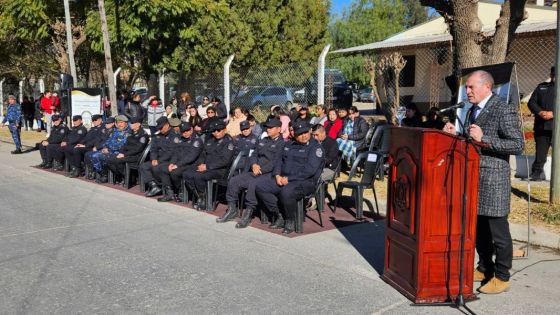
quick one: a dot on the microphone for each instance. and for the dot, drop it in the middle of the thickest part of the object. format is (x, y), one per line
(450, 108)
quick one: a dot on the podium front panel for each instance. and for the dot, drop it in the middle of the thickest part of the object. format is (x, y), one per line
(424, 214)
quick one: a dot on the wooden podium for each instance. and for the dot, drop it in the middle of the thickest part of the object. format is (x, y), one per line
(424, 215)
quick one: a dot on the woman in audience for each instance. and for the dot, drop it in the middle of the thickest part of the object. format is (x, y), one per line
(205, 123)
(193, 117)
(277, 112)
(320, 115)
(433, 119)
(333, 124)
(169, 112)
(233, 128)
(413, 116)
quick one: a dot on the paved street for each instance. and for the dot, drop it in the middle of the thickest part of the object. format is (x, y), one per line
(70, 246)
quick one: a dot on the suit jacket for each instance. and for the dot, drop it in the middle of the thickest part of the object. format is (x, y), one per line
(501, 128)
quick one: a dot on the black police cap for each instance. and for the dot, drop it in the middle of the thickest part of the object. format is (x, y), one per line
(244, 125)
(110, 120)
(273, 122)
(301, 126)
(161, 122)
(185, 126)
(96, 117)
(76, 117)
(217, 124)
(55, 117)
(135, 120)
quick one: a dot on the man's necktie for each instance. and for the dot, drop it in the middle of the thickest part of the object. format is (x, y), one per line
(474, 112)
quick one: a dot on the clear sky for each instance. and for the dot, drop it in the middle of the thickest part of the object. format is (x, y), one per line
(337, 6)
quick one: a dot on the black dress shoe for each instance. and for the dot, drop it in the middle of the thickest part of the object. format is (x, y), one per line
(16, 151)
(154, 189)
(245, 219)
(537, 176)
(278, 223)
(47, 166)
(289, 227)
(102, 179)
(230, 214)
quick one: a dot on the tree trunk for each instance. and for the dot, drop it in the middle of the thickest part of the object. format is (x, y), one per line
(467, 29)
(511, 15)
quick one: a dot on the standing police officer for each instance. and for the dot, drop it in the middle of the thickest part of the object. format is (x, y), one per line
(74, 154)
(183, 159)
(295, 175)
(49, 148)
(262, 162)
(14, 118)
(132, 150)
(541, 105)
(163, 145)
(213, 163)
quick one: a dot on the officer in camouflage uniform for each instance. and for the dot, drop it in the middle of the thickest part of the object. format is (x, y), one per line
(104, 134)
(183, 159)
(213, 163)
(75, 154)
(111, 147)
(14, 118)
(131, 151)
(50, 148)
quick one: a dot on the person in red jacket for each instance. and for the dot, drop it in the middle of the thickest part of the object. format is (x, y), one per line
(333, 124)
(49, 106)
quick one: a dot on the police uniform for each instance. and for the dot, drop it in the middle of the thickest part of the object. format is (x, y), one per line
(162, 150)
(302, 164)
(73, 137)
(114, 145)
(217, 156)
(75, 155)
(132, 150)
(14, 118)
(542, 99)
(52, 150)
(265, 154)
(184, 157)
(245, 143)
(104, 134)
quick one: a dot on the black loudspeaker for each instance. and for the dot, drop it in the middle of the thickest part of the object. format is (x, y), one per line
(66, 81)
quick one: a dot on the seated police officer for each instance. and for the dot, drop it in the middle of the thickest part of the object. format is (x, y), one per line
(75, 154)
(294, 176)
(73, 137)
(132, 150)
(104, 134)
(261, 163)
(213, 163)
(183, 159)
(246, 141)
(330, 148)
(110, 148)
(50, 148)
(163, 145)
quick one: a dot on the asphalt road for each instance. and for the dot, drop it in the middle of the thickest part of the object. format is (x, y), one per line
(69, 246)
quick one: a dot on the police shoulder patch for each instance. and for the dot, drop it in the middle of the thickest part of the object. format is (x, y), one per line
(62, 130)
(196, 144)
(80, 131)
(230, 146)
(142, 139)
(319, 152)
(176, 140)
(254, 141)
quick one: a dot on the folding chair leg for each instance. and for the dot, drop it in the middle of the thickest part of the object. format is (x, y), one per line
(184, 192)
(111, 177)
(300, 214)
(210, 195)
(338, 195)
(320, 198)
(126, 176)
(141, 182)
(242, 201)
(375, 198)
(360, 203)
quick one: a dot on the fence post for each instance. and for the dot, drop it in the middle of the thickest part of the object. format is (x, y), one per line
(116, 74)
(2, 97)
(41, 85)
(21, 90)
(321, 75)
(162, 86)
(555, 178)
(227, 93)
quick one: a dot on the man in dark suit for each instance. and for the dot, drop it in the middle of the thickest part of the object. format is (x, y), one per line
(541, 105)
(497, 126)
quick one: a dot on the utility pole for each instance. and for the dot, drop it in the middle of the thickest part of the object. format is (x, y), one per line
(555, 178)
(108, 61)
(70, 41)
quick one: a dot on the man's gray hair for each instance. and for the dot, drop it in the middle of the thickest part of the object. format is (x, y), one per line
(485, 77)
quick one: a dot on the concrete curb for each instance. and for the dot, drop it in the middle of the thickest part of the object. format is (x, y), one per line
(539, 236)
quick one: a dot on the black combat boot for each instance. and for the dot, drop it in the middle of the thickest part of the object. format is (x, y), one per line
(278, 222)
(167, 194)
(57, 166)
(16, 151)
(289, 227)
(245, 219)
(47, 165)
(537, 176)
(200, 203)
(42, 165)
(74, 172)
(102, 178)
(154, 189)
(230, 214)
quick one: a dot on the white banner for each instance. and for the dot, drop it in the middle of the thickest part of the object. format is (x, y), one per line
(86, 105)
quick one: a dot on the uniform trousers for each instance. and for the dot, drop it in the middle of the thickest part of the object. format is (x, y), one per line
(173, 178)
(51, 151)
(117, 166)
(543, 141)
(99, 160)
(492, 235)
(75, 155)
(244, 181)
(15, 131)
(197, 180)
(147, 171)
(275, 197)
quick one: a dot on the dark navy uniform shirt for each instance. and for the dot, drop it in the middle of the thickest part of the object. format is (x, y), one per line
(266, 154)
(300, 161)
